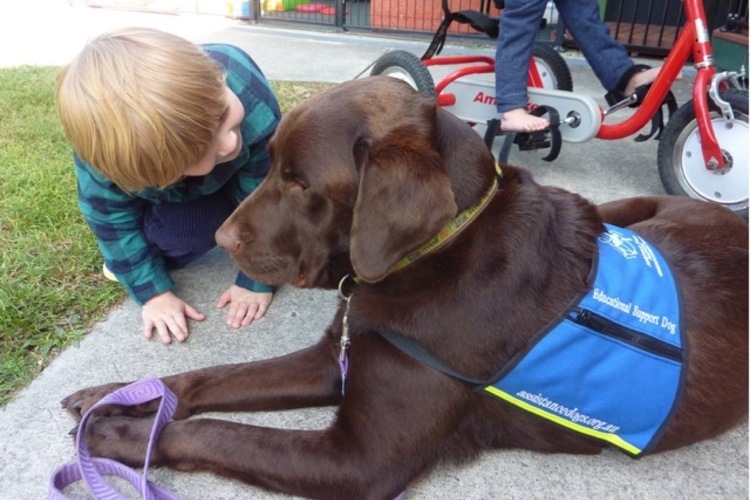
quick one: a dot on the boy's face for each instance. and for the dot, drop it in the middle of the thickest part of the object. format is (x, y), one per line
(227, 140)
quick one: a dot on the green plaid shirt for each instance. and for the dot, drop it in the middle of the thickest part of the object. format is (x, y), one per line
(116, 217)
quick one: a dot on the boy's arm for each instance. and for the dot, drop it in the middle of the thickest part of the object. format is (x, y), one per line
(247, 179)
(249, 284)
(262, 115)
(116, 219)
(249, 176)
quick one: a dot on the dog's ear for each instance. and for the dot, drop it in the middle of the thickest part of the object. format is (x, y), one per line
(404, 199)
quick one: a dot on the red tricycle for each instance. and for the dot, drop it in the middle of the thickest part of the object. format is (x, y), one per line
(703, 148)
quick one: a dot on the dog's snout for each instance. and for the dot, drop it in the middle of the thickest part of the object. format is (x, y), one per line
(228, 238)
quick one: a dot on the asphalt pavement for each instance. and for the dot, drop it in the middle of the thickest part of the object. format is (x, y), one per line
(34, 430)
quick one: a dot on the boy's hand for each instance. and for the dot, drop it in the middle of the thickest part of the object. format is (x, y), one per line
(245, 307)
(166, 313)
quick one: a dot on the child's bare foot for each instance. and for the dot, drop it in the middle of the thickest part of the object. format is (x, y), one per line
(518, 120)
(644, 78)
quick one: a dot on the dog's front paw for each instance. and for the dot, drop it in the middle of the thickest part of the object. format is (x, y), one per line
(81, 401)
(120, 438)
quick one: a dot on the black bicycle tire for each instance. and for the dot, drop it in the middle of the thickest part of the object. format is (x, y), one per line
(670, 172)
(411, 65)
(556, 64)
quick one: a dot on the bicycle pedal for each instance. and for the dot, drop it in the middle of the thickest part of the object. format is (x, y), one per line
(530, 141)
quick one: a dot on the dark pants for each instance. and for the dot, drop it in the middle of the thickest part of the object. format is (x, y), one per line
(182, 232)
(519, 25)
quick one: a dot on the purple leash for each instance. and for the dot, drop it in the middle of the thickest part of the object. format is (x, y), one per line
(91, 469)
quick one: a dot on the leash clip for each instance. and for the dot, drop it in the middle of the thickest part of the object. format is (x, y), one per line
(345, 338)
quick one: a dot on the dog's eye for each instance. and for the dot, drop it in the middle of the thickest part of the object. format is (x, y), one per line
(293, 181)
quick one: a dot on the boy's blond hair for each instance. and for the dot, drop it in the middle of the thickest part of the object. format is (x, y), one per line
(141, 106)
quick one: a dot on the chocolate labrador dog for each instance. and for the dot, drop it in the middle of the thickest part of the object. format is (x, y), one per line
(455, 271)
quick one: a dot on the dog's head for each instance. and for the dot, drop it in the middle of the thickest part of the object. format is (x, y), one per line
(359, 178)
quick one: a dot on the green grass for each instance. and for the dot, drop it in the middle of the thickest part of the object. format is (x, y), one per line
(51, 287)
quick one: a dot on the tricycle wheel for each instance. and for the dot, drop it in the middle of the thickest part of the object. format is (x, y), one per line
(680, 160)
(408, 67)
(552, 68)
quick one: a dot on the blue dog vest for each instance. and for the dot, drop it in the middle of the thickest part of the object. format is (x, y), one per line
(613, 368)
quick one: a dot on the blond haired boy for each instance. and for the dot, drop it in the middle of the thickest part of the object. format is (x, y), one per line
(168, 139)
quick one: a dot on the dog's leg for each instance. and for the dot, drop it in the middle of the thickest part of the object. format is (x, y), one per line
(309, 377)
(328, 464)
(624, 213)
(389, 429)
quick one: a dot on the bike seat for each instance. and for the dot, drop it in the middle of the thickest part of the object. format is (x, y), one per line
(478, 20)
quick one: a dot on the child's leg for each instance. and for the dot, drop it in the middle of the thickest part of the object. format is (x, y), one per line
(519, 26)
(607, 57)
(184, 231)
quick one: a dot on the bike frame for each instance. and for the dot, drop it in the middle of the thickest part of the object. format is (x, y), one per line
(485, 65)
(693, 39)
